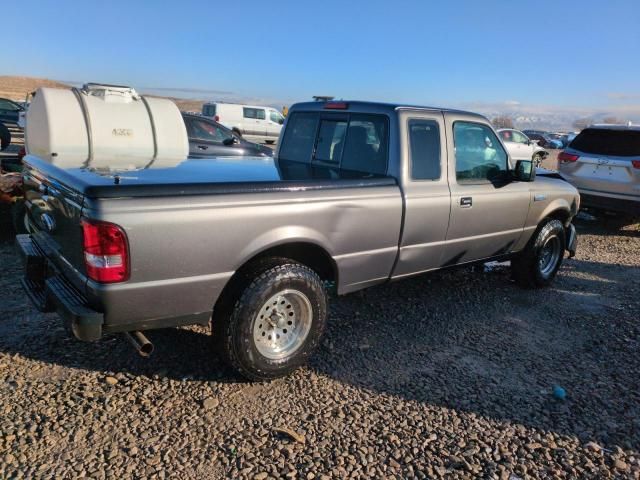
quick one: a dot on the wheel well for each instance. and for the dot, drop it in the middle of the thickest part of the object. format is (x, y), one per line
(309, 254)
(560, 214)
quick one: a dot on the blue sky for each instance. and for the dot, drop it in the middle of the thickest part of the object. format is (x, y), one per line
(546, 54)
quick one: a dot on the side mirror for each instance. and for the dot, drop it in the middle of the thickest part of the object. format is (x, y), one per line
(524, 171)
(281, 121)
(230, 141)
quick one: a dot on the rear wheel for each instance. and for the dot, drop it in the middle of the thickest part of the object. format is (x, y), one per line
(538, 264)
(274, 322)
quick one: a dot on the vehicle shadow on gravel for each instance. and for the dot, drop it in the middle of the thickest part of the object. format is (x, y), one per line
(469, 340)
(465, 339)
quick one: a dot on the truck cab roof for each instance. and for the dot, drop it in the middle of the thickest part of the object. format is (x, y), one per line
(373, 107)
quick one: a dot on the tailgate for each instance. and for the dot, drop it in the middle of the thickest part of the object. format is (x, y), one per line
(54, 211)
(608, 174)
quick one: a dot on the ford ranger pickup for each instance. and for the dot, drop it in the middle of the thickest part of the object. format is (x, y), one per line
(358, 194)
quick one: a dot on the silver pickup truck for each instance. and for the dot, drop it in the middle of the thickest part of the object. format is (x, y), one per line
(358, 194)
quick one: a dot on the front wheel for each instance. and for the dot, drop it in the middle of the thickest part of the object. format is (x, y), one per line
(538, 264)
(275, 322)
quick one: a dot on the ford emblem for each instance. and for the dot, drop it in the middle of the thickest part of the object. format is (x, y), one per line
(48, 222)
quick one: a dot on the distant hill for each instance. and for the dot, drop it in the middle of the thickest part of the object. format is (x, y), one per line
(17, 88)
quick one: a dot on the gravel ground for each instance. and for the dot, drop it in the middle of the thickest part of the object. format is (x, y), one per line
(448, 375)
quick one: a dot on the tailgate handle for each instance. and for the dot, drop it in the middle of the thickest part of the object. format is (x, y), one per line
(466, 202)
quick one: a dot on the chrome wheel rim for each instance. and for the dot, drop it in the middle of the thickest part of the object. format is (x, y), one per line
(549, 255)
(282, 324)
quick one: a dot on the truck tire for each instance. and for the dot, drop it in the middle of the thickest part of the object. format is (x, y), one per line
(537, 265)
(274, 323)
(237, 132)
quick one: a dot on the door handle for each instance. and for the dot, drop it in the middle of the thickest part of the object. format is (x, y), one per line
(466, 202)
(202, 147)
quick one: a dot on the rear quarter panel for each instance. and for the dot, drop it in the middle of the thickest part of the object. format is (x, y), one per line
(183, 250)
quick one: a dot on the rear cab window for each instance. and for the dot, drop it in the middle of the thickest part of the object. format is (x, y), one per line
(350, 141)
(608, 141)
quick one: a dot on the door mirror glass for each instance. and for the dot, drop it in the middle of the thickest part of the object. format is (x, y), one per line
(230, 141)
(525, 171)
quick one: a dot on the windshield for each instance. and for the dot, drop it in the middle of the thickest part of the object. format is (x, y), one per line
(618, 143)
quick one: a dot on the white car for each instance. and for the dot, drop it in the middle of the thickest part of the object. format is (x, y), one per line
(520, 147)
(255, 123)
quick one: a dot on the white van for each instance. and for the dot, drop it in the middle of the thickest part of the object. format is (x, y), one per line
(257, 124)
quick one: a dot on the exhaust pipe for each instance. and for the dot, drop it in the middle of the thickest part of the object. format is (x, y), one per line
(140, 342)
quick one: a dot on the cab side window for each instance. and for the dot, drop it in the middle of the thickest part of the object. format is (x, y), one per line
(479, 155)
(424, 144)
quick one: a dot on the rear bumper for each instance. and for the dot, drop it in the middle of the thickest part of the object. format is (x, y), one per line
(49, 292)
(630, 205)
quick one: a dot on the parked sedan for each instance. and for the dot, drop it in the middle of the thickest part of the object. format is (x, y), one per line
(520, 147)
(10, 111)
(543, 139)
(208, 138)
(603, 163)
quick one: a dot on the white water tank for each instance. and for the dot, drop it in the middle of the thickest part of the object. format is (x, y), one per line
(104, 126)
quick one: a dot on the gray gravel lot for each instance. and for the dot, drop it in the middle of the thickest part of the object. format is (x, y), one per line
(447, 375)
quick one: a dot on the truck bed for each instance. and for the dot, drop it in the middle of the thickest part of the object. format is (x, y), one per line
(208, 176)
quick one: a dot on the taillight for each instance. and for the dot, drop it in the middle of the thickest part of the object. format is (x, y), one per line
(106, 253)
(635, 163)
(217, 118)
(565, 157)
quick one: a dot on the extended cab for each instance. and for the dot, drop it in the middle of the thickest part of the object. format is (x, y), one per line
(358, 194)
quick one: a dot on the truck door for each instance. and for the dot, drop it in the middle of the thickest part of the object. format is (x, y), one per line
(488, 209)
(425, 184)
